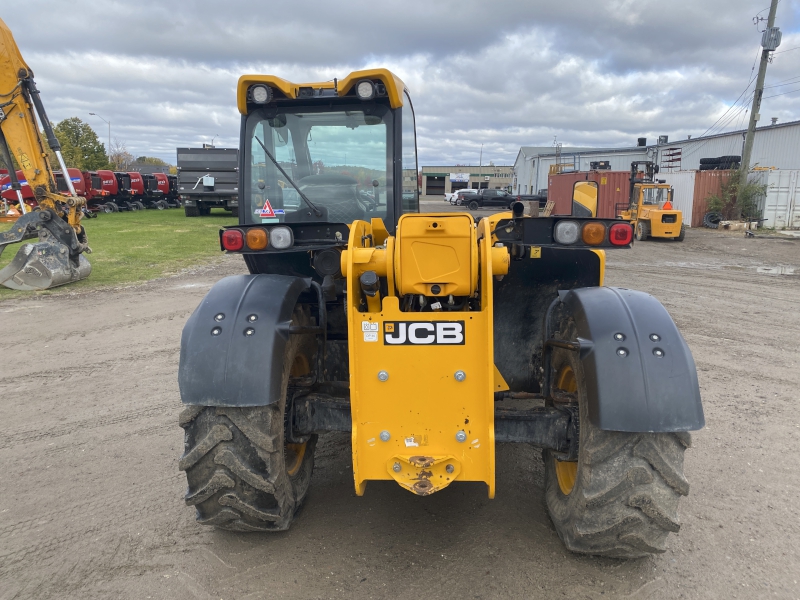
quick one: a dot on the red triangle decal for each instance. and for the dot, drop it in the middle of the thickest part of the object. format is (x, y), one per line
(267, 210)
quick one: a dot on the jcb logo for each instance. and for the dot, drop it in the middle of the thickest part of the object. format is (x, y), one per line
(420, 333)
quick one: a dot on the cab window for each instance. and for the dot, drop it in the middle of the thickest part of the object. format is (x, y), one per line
(410, 169)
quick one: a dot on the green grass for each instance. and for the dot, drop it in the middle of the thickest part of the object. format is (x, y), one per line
(130, 247)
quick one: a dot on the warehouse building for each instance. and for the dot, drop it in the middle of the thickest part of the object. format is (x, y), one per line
(437, 181)
(776, 146)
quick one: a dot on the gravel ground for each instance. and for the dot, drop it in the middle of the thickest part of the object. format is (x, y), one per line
(91, 503)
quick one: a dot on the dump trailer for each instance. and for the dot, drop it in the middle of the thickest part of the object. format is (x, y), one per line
(430, 338)
(57, 257)
(649, 208)
(208, 178)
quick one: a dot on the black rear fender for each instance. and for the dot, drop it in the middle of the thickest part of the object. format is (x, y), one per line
(639, 372)
(233, 345)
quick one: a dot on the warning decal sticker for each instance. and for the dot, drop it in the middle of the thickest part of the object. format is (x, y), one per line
(267, 211)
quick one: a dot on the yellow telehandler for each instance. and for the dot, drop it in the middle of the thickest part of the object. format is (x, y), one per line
(431, 338)
(57, 257)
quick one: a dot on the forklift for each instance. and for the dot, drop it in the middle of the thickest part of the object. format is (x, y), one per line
(649, 209)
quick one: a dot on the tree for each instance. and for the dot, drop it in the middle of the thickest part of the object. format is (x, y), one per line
(736, 201)
(80, 146)
(120, 157)
(152, 160)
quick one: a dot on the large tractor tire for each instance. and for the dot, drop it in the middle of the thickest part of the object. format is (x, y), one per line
(241, 473)
(711, 220)
(620, 498)
(191, 211)
(642, 230)
(682, 234)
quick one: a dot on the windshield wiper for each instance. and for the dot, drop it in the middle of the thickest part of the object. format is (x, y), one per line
(311, 205)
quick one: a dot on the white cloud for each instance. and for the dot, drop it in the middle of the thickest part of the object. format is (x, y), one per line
(501, 74)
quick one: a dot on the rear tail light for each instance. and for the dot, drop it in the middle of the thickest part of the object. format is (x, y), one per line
(232, 239)
(281, 238)
(257, 238)
(567, 232)
(593, 234)
(620, 234)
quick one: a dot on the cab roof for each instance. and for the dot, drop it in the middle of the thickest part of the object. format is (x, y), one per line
(394, 86)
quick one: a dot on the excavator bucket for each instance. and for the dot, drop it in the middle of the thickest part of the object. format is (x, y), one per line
(53, 260)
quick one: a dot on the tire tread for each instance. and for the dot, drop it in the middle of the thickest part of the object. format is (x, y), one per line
(625, 500)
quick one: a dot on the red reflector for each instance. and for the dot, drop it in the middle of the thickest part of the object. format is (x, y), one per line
(620, 234)
(232, 239)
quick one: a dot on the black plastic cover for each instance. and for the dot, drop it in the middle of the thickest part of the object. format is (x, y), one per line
(646, 382)
(221, 364)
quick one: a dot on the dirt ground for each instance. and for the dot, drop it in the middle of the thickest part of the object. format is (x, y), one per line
(91, 497)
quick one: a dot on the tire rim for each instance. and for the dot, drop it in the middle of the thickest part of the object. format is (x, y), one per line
(566, 472)
(293, 453)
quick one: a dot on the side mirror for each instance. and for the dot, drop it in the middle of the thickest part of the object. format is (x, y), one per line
(584, 199)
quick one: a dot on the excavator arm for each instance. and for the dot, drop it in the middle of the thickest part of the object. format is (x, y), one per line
(56, 258)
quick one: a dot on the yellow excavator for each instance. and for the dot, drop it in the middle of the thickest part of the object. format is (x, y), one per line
(57, 257)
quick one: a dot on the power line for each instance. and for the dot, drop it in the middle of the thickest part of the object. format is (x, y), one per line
(697, 147)
(782, 82)
(749, 83)
(735, 102)
(787, 50)
(783, 93)
(763, 9)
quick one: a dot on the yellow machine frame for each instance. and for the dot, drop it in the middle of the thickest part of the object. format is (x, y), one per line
(445, 433)
(394, 85)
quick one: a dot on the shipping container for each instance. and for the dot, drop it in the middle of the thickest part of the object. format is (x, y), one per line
(682, 183)
(706, 183)
(559, 189)
(613, 190)
(780, 208)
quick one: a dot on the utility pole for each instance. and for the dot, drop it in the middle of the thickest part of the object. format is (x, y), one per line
(770, 40)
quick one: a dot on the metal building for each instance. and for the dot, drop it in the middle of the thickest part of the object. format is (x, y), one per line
(436, 181)
(776, 145)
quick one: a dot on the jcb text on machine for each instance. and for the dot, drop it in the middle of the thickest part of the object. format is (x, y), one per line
(430, 338)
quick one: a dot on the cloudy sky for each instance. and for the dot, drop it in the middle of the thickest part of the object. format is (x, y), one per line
(502, 74)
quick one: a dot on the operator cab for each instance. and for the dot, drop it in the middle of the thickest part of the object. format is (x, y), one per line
(656, 196)
(332, 152)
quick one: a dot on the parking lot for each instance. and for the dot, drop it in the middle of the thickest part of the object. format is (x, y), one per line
(92, 503)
